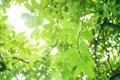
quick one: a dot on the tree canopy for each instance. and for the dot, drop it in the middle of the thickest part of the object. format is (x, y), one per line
(71, 40)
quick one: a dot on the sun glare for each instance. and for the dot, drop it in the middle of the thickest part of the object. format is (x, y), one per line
(14, 14)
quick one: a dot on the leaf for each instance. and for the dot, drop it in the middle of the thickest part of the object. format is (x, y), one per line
(20, 36)
(87, 35)
(66, 72)
(86, 68)
(44, 3)
(112, 2)
(84, 51)
(35, 5)
(35, 34)
(74, 59)
(3, 19)
(59, 1)
(29, 7)
(89, 71)
(56, 75)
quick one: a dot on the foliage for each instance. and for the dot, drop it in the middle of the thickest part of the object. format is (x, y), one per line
(75, 47)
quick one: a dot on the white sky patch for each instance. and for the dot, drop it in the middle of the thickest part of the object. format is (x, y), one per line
(0, 2)
(86, 41)
(38, 1)
(53, 79)
(54, 51)
(19, 77)
(38, 74)
(14, 14)
(105, 58)
(115, 52)
(45, 21)
(86, 17)
(84, 77)
(42, 43)
(40, 27)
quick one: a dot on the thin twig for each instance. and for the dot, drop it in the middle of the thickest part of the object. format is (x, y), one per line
(78, 48)
(20, 59)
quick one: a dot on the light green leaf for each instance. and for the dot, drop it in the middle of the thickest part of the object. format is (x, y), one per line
(29, 7)
(3, 19)
(35, 5)
(59, 0)
(20, 36)
(87, 35)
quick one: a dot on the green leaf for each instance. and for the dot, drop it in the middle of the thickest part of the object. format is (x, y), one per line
(89, 71)
(35, 5)
(66, 72)
(74, 59)
(87, 35)
(44, 3)
(56, 75)
(59, 1)
(3, 19)
(35, 34)
(20, 36)
(29, 7)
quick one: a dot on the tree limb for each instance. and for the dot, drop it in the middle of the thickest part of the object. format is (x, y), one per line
(114, 26)
(111, 25)
(115, 76)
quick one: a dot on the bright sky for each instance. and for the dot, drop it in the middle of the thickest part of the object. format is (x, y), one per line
(14, 14)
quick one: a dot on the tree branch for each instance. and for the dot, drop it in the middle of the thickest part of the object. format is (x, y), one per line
(111, 25)
(20, 59)
(115, 76)
(114, 26)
